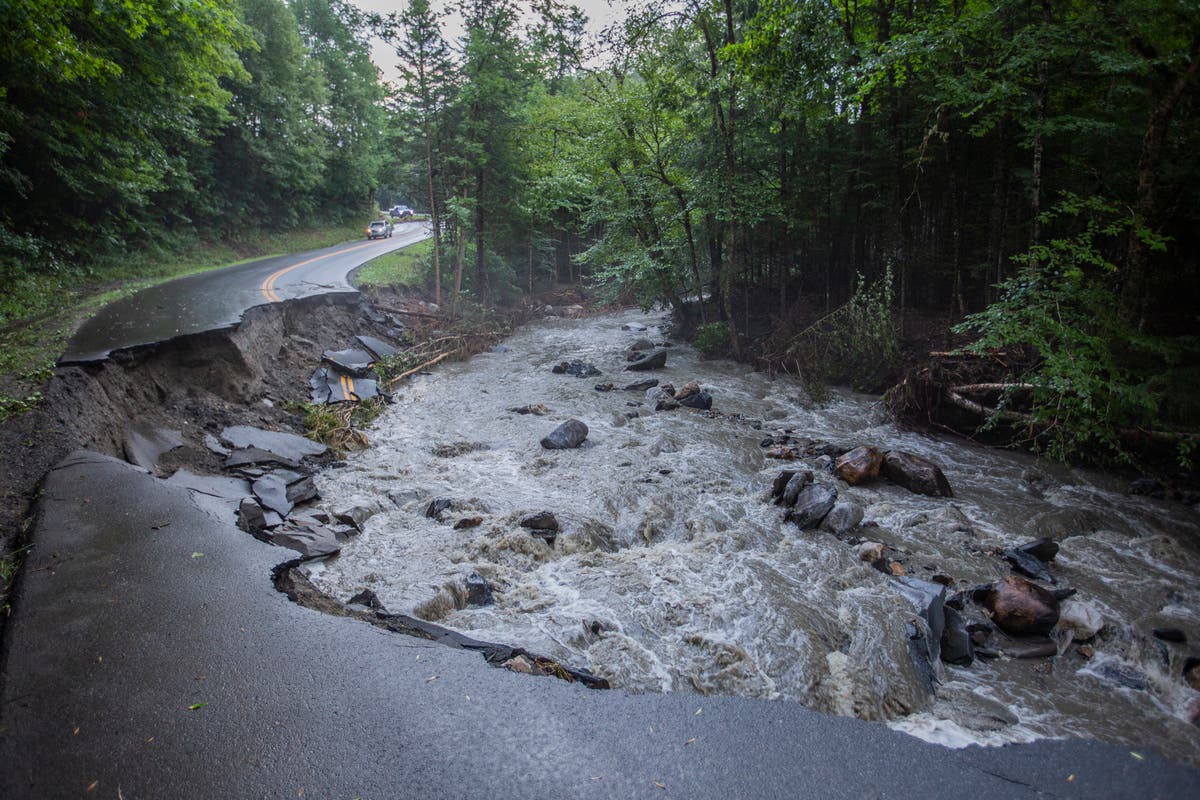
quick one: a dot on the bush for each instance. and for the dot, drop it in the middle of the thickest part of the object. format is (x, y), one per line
(712, 339)
(856, 345)
(1097, 380)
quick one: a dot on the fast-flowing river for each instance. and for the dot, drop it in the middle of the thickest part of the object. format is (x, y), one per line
(674, 572)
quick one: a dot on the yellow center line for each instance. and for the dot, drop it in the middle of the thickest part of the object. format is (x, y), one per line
(268, 286)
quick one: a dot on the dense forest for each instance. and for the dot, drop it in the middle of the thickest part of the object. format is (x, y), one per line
(817, 171)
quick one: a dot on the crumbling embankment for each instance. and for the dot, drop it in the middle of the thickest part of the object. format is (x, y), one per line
(195, 384)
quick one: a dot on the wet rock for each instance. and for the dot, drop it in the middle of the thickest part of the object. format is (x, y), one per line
(634, 350)
(795, 485)
(1020, 608)
(843, 518)
(356, 516)
(577, 368)
(957, 647)
(1027, 565)
(870, 552)
(1124, 675)
(468, 522)
(812, 504)
(571, 433)
(780, 483)
(1063, 523)
(479, 591)
(636, 327)
(1043, 549)
(1191, 672)
(603, 387)
(144, 445)
(1082, 619)
(251, 517)
(541, 521)
(288, 446)
(1063, 594)
(1170, 635)
(367, 598)
(824, 463)
(519, 664)
(915, 474)
(980, 632)
(656, 359)
(860, 465)
(436, 507)
(640, 386)
(701, 400)
(1146, 486)
(928, 600)
(1032, 647)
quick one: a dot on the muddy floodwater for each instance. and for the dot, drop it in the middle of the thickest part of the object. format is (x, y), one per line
(673, 571)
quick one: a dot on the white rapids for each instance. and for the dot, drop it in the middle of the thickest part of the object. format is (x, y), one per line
(674, 572)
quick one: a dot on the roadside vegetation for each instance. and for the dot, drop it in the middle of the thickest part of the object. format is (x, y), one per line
(409, 267)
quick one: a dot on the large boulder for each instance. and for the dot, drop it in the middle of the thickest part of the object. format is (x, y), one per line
(571, 433)
(795, 484)
(813, 502)
(860, 465)
(656, 359)
(1020, 608)
(915, 474)
(1044, 549)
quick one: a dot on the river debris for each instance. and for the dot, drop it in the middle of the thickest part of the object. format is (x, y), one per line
(655, 359)
(578, 369)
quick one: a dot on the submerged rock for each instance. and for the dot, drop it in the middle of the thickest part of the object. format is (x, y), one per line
(640, 386)
(812, 504)
(916, 474)
(1175, 635)
(1031, 647)
(577, 368)
(541, 521)
(436, 507)
(356, 517)
(1020, 608)
(860, 465)
(571, 433)
(479, 591)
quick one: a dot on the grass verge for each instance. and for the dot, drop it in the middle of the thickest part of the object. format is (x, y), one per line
(407, 267)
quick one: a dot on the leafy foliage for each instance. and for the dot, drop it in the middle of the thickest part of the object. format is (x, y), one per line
(1096, 378)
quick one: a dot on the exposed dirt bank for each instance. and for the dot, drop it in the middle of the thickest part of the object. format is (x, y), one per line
(195, 384)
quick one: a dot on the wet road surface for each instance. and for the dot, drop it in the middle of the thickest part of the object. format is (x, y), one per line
(217, 299)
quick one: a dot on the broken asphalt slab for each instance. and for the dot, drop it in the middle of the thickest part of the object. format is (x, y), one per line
(288, 446)
(151, 661)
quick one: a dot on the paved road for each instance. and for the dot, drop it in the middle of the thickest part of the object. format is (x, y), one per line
(149, 657)
(218, 299)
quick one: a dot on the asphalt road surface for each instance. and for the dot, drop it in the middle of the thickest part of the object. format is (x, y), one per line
(215, 300)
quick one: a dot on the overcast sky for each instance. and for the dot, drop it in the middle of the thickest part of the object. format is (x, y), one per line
(599, 13)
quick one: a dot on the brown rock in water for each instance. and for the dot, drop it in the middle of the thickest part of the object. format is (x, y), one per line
(860, 465)
(1021, 608)
(915, 474)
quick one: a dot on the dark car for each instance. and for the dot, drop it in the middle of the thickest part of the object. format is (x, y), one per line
(402, 212)
(379, 229)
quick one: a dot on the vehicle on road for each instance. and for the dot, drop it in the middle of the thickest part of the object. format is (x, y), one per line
(379, 229)
(402, 212)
